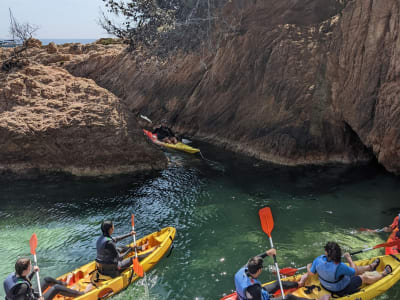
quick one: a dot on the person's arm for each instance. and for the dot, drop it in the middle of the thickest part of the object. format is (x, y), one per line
(34, 270)
(124, 236)
(312, 268)
(347, 256)
(170, 132)
(271, 252)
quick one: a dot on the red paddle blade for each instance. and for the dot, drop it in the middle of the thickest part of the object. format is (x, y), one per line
(133, 220)
(137, 267)
(267, 222)
(288, 271)
(366, 229)
(390, 244)
(33, 243)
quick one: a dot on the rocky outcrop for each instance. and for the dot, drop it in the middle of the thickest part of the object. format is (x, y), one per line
(51, 121)
(300, 82)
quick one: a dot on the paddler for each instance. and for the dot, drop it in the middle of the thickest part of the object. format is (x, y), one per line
(248, 287)
(165, 134)
(18, 286)
(110, 258)
(340, 279)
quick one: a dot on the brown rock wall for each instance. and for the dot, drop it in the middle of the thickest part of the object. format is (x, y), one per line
(301, 82)
(51, 121)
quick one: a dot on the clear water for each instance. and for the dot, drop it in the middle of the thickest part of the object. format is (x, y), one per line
(215, 210)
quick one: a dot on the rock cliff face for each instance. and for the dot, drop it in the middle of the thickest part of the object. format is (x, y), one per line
(51, 121)
(302, 81)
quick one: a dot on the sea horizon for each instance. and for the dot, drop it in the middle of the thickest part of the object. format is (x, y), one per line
(59, 41)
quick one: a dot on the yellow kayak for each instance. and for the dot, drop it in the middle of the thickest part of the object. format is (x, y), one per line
(86, 278)
(178, 146)
(367, 292)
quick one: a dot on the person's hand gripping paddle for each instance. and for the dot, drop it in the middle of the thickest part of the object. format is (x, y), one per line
(267, 224)
(33, 244)
(137, 267)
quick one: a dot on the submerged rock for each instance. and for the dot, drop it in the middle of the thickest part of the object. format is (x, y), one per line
(51, 121)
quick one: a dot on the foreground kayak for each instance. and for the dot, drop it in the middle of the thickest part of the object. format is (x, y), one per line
(367, 291)
(178, 146)
(80, 279)
(392, 237)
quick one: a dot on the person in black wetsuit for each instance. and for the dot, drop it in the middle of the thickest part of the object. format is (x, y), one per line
(248, 287)
(165, 134)
(110, 258)
(18, 285)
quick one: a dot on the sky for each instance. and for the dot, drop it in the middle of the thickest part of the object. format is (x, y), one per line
(56, 19)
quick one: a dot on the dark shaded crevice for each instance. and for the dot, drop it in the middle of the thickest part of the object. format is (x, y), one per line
(358, 148)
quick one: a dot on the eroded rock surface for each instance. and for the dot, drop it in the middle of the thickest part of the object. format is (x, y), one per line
(51, 121)
(300, 82)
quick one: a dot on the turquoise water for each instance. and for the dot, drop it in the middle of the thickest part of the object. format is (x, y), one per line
(215, 210)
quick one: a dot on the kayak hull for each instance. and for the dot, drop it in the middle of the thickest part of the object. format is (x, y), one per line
(367, 292)
(178, 146)
(159, 244)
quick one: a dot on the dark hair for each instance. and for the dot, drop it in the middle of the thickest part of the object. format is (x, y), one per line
(106, 226)
(255, 263)
(21, 265)
(163, 121)
(334, 253)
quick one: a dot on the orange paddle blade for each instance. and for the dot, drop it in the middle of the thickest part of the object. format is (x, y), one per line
(133, 220)
(137, 267)
(390, 244)
(267, 222)
(33, 243)
(288, 271)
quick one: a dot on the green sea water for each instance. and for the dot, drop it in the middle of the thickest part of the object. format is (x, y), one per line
(214, 207)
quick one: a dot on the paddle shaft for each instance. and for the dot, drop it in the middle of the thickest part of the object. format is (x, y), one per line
(37, 276)
(134, 240)
(277, 269)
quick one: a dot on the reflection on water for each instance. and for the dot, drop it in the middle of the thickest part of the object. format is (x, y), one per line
(215, 210)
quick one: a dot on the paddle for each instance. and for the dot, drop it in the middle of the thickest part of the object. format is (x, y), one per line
(33, 244)
(291, 271)
(137, 267)
(267, 224)
(371, 230)
(388, 244)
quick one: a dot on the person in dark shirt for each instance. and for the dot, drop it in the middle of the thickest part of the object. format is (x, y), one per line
(248, 287)
(18, 285)
(110, 258)
(165, 134)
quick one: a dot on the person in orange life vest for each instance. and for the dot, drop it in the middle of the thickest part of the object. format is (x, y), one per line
(394, 226)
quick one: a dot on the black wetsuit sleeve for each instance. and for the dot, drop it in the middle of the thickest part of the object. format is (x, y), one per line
(30, 276)
(255, 292)
(170, 132)
(121, 237)
(263, 255)
(155, 131)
